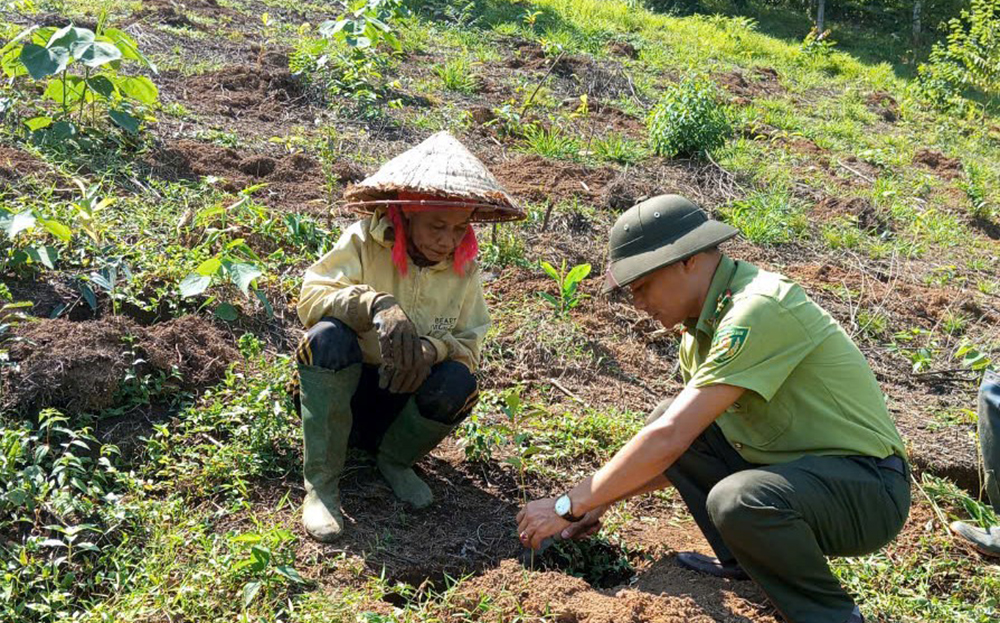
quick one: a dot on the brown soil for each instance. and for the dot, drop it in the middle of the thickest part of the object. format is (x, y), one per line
(512, 590)
(761, 82)
(947, 168)
(623, 48)
(884, 105)
(294, 181)
(264, 93)
(162, 12)
(193, 346)
(857, 208)
(79, 366)
(534, 178)
(595, 78)
(16, 164)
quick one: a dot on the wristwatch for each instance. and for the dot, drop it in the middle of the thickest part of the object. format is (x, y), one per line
(564, 508)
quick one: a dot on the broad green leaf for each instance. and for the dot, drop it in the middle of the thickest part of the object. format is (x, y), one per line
(209, 267)
(41, 62)
(88, 295)
(66, 92)
(194, 284)
(578, 274)
(549, 298)
(103, 282)
(128, 47)
(289, 572)
(44, 255)
(261, 557)
(550, 270)
(37, 123)
(102, 85)
(57, 229)
(226, 311)
(125, 121)
(248, 537)
(62, 130)
(243, 275)
(69, 36)
(20, 222)
(249, 592)
(139, 88)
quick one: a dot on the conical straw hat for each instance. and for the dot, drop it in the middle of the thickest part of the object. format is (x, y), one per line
(438, 166)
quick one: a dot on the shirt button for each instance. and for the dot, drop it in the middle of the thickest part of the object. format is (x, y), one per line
(738, 445)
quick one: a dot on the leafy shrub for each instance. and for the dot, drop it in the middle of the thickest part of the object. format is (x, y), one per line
(61, 519)
(968, 59)
(83, 99)
(975, 187)
(350, 58)
(689, 120)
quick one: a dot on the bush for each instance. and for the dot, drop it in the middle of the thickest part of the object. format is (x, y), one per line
(689, 120)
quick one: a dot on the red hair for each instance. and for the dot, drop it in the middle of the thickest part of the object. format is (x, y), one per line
(464, 253)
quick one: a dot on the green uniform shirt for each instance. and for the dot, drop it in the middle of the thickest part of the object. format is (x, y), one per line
(811, 391)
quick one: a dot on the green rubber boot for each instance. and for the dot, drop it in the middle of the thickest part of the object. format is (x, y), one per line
(410, 438)
(986, 543)
(326, 425)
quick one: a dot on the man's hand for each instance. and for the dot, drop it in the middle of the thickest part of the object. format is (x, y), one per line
(587, 526)
(398, 339)
(538, 521)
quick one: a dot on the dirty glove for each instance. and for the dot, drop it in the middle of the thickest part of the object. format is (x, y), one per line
(409, 380)
(398, 339)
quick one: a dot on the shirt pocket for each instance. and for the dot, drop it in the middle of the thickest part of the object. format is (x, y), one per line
(760, 422)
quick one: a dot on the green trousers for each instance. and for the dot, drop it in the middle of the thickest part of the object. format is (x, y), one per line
(780, 522)
(989, 435)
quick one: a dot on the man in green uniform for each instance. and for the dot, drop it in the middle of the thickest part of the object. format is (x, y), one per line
(780, 442)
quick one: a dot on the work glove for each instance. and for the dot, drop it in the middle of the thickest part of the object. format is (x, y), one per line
(409, 380)
(398, 339)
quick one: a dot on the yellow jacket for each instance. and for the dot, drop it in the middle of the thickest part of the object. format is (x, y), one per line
(447, 308)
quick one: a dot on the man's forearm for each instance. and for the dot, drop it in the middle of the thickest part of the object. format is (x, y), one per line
(636, 469)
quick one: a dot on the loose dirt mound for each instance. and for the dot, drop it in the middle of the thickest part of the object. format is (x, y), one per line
(534, 178)
(762, 82)
(884, 105)
(240, 91)
(595, 78)
(948, 168)
(294, 181)
(79, 366)
(16, 164)
(512, 591)
(859, 209)
(162, 12)
(192, 345)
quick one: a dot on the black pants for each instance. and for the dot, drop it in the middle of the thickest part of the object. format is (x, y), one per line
(447, 396)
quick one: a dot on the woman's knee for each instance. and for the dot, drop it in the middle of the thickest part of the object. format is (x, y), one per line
(329, 344)
(449, 393)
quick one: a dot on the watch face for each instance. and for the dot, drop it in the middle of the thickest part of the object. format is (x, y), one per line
(563, 505)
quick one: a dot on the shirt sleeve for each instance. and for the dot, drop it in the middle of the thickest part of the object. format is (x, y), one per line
(757, 346)
(334, 285)
(464, 342)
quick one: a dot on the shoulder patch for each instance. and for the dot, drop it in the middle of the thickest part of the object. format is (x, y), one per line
(727, 344)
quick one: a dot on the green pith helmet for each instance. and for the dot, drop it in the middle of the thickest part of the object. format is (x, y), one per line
(657, 232)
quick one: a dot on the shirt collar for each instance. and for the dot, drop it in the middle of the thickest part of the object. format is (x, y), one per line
(721, 280)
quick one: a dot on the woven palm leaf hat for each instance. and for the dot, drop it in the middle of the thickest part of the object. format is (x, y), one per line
(442, 167)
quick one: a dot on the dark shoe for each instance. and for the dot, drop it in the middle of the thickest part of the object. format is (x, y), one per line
(856, 616)
(986, 543)
(711, 566)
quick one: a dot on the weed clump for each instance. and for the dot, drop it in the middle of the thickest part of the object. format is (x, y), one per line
(689, 120)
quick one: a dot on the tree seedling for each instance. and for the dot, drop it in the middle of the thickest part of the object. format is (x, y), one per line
(568, 283)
